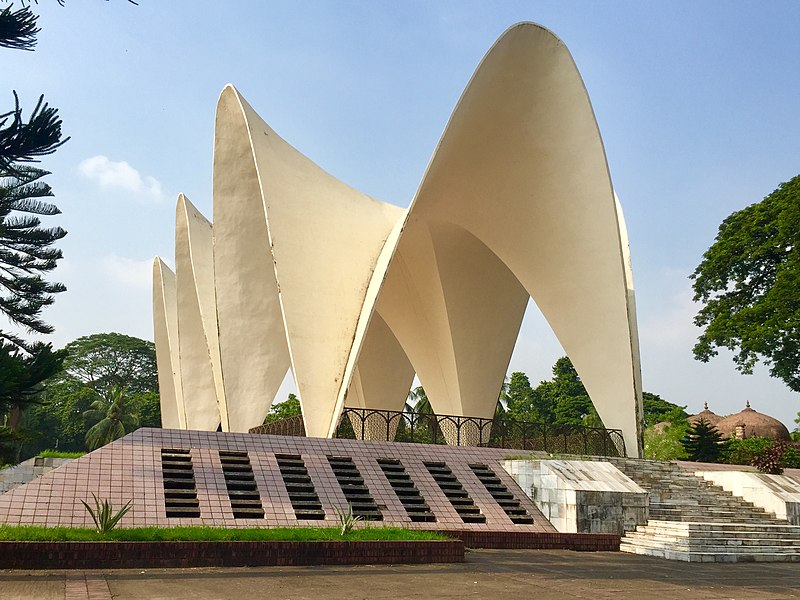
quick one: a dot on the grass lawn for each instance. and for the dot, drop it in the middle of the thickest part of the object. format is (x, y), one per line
(57, 454)
(213, 534)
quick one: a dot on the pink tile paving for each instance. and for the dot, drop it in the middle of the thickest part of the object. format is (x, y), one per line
(131, 469)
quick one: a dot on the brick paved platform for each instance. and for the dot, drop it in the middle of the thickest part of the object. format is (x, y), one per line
(234, 480)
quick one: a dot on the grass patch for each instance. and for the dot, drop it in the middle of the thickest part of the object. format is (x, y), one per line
(57, 454)
(31, 533)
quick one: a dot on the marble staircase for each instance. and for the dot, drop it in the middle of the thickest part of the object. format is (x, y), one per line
(693, 520)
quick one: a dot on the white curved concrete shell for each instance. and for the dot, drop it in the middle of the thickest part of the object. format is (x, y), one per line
(165, 321)
(356, 295)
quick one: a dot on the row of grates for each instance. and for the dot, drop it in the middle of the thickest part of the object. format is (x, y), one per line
(502, 495)
(180, 491)
(455, 492)
(355, 491)
(410, 497)
(302, 494)
(242, 489)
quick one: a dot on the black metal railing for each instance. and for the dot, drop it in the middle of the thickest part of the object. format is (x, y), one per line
(501, 432)
(293, 426)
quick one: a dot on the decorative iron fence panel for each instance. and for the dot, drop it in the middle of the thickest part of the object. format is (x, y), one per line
(388, 425)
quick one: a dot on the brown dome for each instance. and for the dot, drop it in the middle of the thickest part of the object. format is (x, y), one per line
(708, 416)
(754, 425)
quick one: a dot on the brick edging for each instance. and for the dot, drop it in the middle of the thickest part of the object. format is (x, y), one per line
(536, 540)
(120, 555)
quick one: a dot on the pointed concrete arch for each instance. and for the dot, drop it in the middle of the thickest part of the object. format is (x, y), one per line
(252, 339)
(383, 375)
(196, 317)
(325, 239)
(165, 321)
(521, 167)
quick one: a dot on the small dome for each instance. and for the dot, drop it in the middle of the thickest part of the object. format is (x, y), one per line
(708, 416)
(751, 423)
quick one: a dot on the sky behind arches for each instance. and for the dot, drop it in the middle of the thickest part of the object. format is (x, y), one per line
(696, 102)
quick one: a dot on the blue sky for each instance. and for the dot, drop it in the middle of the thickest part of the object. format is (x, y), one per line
(697, 103)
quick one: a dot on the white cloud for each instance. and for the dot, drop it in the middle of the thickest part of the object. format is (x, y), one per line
(130, 273)
(120, 175)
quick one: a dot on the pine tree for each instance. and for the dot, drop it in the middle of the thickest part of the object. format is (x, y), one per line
(26, 251)
(703, 442)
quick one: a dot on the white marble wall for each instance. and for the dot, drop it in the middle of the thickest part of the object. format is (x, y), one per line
(778, 494)
(582, 496)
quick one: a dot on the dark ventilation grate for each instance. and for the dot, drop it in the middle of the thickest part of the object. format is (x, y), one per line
(242, 489)
(455, 492)
(355, 490)
(502, 495)
(402, 484)
(302, 494)
(180, 493)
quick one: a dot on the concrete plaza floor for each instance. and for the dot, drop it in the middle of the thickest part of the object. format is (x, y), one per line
(539, 574)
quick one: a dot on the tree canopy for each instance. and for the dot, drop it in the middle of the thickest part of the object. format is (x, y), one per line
(748, 283)
(112, 418)
(562, 400)
(283, 410)
(106, 377)
(657, 410)
(104, 360)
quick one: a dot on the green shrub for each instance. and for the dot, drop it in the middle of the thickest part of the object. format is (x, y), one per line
(103, 515)
(742, 452)
(666, 444)
(347, 520)
(791, 457)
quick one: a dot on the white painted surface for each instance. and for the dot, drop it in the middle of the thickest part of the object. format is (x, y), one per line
(778, 494)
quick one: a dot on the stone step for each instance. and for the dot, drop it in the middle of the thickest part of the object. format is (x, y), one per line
(715, 550)
(700, 526)
(720, 557)
(719, 538)
(693, 518)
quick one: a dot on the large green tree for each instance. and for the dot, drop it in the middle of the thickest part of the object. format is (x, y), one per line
(95, 368)
(657, 410)
(284, 410)
(564, 399)
(106, 360)
(22, 379)
(26, 252)
(748, 283)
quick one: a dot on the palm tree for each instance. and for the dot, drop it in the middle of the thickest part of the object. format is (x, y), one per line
(417, 402)
(114, 418)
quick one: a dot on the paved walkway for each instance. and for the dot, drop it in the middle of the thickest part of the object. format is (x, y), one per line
(540, 574)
